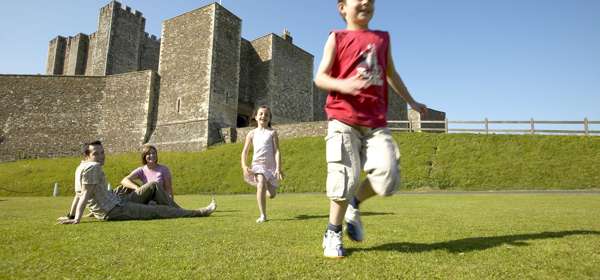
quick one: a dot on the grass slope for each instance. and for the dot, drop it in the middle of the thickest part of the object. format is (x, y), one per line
(409, 236)
(439, 161)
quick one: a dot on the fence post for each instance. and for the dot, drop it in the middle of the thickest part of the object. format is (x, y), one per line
(586, 126)
(55, 190)
(486, 125)
(532, 129)
(446, 125)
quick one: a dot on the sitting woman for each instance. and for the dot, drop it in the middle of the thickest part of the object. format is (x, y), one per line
(150, 173)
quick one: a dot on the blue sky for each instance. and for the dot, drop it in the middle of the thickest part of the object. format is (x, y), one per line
(505, 60)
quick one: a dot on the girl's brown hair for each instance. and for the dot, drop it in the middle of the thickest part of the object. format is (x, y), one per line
(146, 150)
(256, 112)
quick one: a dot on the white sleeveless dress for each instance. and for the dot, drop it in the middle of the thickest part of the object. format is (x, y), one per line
(263, 157)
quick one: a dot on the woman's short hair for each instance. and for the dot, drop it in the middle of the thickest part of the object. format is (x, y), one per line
(146, 149)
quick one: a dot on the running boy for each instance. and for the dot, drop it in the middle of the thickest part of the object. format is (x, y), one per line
(356, 69)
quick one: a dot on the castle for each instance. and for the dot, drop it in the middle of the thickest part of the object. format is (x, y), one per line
(180, 92)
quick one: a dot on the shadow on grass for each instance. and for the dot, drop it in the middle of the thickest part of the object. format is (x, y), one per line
(472, 244)
(227, 211)
(310, 217)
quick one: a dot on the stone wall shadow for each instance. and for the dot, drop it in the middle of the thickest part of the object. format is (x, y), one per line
(473, 243)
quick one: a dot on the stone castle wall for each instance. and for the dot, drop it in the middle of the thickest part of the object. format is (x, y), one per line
(48, 116)
(249, 61)
(76, 55)
(128, 110)
(397, 109)
(126, 39)
(56, 56)
(185, 70)
(319, 98)
(291, 91)
(260, 72)
(224, 88)
(150, 52)
(284, 131)
(89, 63)
(203, 81)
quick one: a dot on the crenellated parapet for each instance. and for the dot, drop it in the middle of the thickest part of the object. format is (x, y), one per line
(151, 38)
(56, 56)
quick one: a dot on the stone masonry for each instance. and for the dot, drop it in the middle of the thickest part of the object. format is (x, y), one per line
(183, 92)
(48, 116)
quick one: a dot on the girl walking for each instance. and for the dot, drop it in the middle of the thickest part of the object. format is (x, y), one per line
(265, 171)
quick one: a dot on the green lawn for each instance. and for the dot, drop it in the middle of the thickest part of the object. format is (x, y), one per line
(424, 236)
(429, 161)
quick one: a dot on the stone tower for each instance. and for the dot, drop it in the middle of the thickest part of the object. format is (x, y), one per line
(117, 41)
(276, 73)
(199, 70)
(120, 45)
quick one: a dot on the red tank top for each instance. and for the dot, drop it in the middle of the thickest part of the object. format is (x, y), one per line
(364, 52)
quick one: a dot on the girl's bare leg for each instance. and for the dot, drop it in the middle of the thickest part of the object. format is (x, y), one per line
(261, 189)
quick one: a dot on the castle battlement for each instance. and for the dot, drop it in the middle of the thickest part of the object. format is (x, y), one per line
(151, 37)
(123, 10)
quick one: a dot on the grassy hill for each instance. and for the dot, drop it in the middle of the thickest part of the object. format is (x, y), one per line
(438, 161)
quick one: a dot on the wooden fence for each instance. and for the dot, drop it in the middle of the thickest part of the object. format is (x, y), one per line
(532, 127)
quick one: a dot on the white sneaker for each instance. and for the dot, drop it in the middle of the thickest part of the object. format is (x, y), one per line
(332, 245)
(261, 219)
(354, 227)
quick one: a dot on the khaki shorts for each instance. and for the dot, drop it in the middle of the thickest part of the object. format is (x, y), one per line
(352, 148)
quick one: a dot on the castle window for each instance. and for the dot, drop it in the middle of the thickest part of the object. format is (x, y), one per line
(178, 105)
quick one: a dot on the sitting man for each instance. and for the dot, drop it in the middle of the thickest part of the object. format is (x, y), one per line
(91, 188)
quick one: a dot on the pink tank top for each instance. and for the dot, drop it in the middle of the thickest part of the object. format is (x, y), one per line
(364, 52)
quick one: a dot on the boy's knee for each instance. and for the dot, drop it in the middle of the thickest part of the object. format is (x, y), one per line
(385, 182)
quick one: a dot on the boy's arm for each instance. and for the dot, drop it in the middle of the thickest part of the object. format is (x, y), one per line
(324, 80)
(398, 86)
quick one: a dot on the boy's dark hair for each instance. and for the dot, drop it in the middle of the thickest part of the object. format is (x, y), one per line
(146, 150)
(85, 148)
(256, 112)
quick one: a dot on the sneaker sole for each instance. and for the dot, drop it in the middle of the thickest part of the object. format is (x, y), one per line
(351, 238)
(335, 257)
